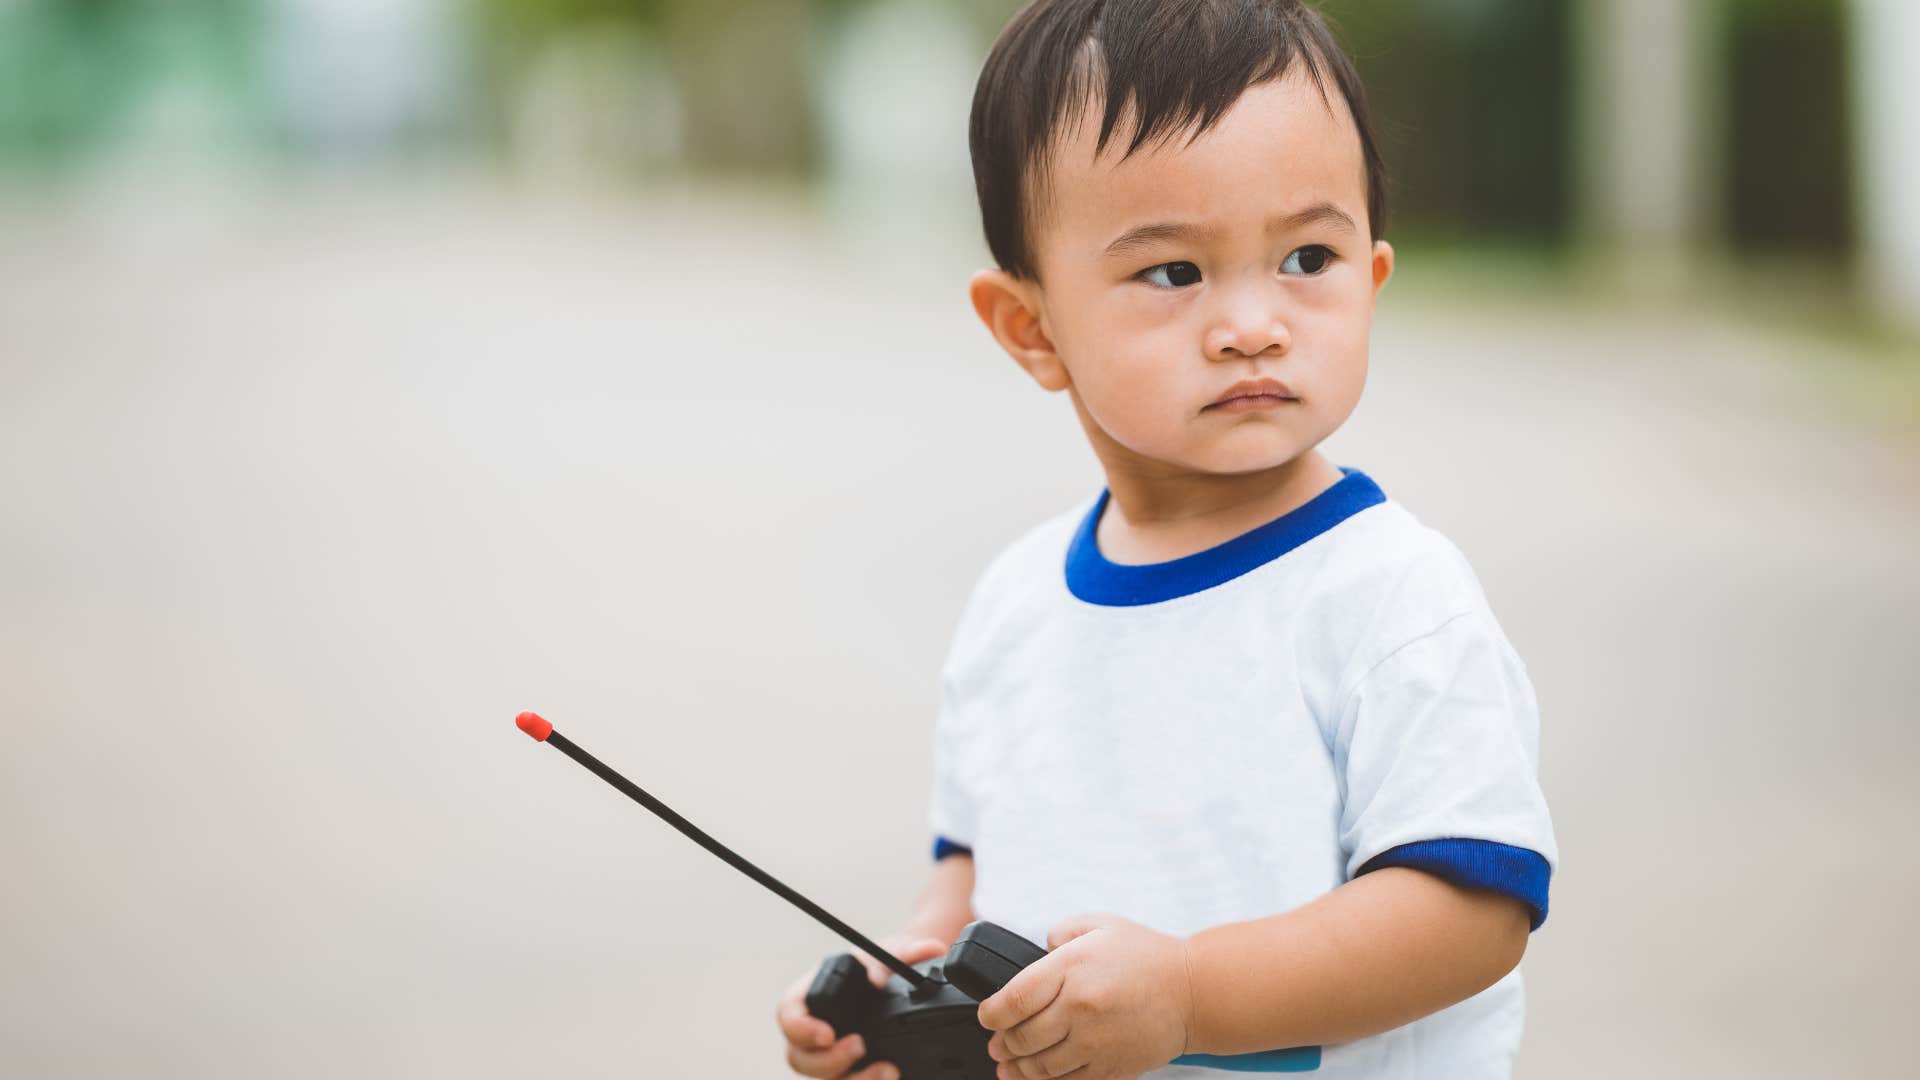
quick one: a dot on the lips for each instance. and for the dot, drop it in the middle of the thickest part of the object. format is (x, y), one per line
(1256, 388)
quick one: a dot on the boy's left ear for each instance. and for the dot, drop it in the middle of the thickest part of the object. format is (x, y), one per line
(1382, 265)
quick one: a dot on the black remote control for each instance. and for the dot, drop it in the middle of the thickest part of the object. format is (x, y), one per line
(926, 1019)
(932, 1031)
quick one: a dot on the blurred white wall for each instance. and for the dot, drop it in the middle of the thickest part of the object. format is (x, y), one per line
(1887, 86)
(896, 88)
(364, 72)
(595, 104)
(1646, 105)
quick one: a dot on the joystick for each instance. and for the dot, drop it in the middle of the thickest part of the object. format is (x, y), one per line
(926, 1019)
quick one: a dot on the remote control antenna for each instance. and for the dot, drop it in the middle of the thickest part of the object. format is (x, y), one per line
(542, 731)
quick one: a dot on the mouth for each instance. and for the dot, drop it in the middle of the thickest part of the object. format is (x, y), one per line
(1254, 394)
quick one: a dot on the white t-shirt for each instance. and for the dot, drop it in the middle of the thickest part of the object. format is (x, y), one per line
(1230, 735)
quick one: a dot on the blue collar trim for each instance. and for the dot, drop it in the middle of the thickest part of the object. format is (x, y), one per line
(1093, 579)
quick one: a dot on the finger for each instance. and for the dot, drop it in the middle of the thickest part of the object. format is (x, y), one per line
(1027, 993)
(1062, 1059)
(801, 1027)
(830, 1062)
(879, 1070)
(1068, 929)
(922, 949)
(1036, 1034)
(877, 971)
(1010, 1072)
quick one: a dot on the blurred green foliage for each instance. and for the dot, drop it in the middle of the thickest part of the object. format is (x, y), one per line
(1473, 105)
(1789, 135)
(70, 70)
(1475, 99)
(537, 16)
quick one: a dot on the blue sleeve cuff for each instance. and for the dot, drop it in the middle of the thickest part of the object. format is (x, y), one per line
(1478, 864)
(943, 847)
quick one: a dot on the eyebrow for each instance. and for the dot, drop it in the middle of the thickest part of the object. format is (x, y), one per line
(1320, 213)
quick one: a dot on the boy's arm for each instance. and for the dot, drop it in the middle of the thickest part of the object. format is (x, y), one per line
(945, 906)
(1381, 950)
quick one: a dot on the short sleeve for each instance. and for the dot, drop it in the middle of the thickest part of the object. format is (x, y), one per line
(1438, 747)
(953, 811)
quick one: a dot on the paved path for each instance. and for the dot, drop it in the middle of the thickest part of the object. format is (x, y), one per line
(307, 496)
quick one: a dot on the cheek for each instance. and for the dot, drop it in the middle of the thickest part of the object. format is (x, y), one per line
(1342, 375)
(1145, 372)
(1335, 335)
(1117, 346)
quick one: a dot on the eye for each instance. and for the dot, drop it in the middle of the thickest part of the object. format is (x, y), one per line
(1173, 275)
(1308, 260)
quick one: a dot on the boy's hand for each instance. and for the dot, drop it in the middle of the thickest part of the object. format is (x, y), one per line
(912, 948)
(1112, 996)
(811, 1047)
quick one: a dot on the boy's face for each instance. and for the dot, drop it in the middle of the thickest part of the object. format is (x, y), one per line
(1170, 278)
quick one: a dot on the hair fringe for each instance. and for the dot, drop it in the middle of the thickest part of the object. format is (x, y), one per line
(1159, 67)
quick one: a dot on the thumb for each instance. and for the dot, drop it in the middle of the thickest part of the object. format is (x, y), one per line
(924, 948)
(919, 949)
(1068, 929)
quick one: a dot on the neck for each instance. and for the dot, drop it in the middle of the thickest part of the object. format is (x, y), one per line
(1157, 511)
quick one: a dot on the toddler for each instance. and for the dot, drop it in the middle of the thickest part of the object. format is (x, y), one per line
(1238, 737)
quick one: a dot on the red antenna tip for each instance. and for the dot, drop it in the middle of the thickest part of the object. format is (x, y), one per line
(531, 723)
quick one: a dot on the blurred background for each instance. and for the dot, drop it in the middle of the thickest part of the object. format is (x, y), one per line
(371, 370)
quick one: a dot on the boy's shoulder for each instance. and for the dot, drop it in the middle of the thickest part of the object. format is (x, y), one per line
(1390, 552)
(1390, 582)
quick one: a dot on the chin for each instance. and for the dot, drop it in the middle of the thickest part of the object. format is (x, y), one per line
(1249, 455)
(1234, 464)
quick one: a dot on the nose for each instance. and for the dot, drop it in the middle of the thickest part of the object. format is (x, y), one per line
(1249, 321)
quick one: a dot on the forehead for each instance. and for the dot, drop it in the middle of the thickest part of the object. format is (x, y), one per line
(1281, 147)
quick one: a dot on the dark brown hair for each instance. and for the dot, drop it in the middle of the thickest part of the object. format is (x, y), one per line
(1180, 64)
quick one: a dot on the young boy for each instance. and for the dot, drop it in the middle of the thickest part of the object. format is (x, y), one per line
(1238, 739)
